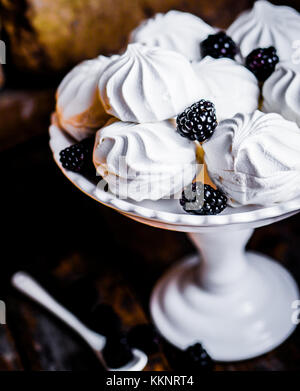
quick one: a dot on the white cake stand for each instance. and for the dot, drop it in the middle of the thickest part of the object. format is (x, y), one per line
(238, 304)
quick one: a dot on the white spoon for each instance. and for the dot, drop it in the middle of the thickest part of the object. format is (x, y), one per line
(27, 285)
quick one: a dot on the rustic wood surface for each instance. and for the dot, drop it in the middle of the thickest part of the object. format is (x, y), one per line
(62, 237)
(52, 36)
(24, 114)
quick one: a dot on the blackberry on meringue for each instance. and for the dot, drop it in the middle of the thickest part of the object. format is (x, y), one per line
(202, 199)
(219, 45)
(262, 61)
(198, 121)
(78, 157)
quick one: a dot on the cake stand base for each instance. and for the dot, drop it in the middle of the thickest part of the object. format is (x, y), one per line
(238, 313)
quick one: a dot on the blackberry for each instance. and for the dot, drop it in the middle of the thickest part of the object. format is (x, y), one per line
(144, 337)
(218, 45)
(78, 157)
(262, 62)
(117, 351)
(196, 357)
(202, 199)
(198, 121)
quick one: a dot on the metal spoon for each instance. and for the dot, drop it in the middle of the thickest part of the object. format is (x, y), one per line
(27, 285)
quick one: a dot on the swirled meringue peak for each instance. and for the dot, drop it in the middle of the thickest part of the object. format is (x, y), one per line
(267, 25)
(148, 84)
(229, 85)
(255, 159)
(175, 30)
(281, 92)
(144, 161)
(79, 109)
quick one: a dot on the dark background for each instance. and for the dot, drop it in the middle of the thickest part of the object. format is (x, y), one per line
(68, 241)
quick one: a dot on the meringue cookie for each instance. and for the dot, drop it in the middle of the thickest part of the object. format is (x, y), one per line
(267, 25)
(175, 30)
(230, 86)
(144, 161)
(255, 159)
(148, 84)
(281, 92)
(79, 109)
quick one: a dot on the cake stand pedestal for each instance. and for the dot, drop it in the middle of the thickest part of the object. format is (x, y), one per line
(237, 304)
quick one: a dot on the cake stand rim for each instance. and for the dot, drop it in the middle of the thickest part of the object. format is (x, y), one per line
(59, 140)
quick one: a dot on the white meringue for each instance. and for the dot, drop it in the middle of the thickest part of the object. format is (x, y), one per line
(230, 86)
(148, 84)
(175, 30)
(79, 109)
(255, 159)
(267, 25)
(144, 161)
(281, 92)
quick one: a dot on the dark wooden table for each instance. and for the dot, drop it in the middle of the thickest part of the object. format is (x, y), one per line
(63, 238)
